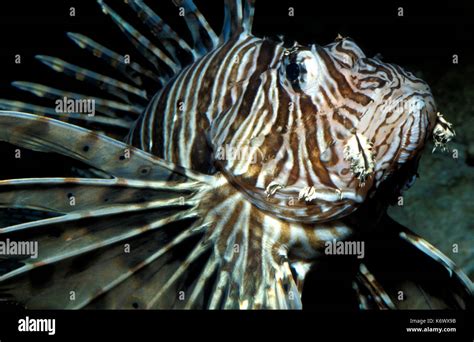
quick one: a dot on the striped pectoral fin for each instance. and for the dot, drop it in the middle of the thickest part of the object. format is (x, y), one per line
(461, 288)
(89, 261)
(104, 232)
(116, 232)
(231, 266)
(370, 293)
(166, 238)
(426, 278)
(120, 257)
(115, 158)
(96, 245)
(236, 264)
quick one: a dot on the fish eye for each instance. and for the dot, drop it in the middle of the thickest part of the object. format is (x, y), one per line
(293, 72)
(299, 69)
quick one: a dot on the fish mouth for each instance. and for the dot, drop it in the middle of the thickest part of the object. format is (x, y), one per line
(400, 134)
(415, 129)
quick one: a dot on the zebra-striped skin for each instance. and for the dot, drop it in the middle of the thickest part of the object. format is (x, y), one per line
(237, 170)
(238, 97)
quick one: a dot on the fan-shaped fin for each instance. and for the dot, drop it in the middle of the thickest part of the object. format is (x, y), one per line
(106, 215)
(193, 236)
(82, 232)
(213, 273)
(108, 265)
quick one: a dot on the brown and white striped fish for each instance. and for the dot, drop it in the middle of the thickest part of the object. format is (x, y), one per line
(237, 170)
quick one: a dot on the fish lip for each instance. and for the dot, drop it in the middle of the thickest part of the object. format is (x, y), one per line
(399, 132)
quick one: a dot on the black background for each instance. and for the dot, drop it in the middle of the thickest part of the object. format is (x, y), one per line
(425, 38)
(428, 34)
(194, 326)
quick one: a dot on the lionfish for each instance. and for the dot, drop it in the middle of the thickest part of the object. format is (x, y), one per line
(238, 168)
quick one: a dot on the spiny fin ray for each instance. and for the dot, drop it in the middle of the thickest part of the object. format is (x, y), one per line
(106, 107)
(18, 106)
(249, 12)
(104, 153)
(133, 71)
(232, 19)
(112, 86)
(146, 48)
(160, 29)
(204, 38)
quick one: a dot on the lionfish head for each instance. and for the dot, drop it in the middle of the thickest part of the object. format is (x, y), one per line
(383, 113)
(330, 125)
